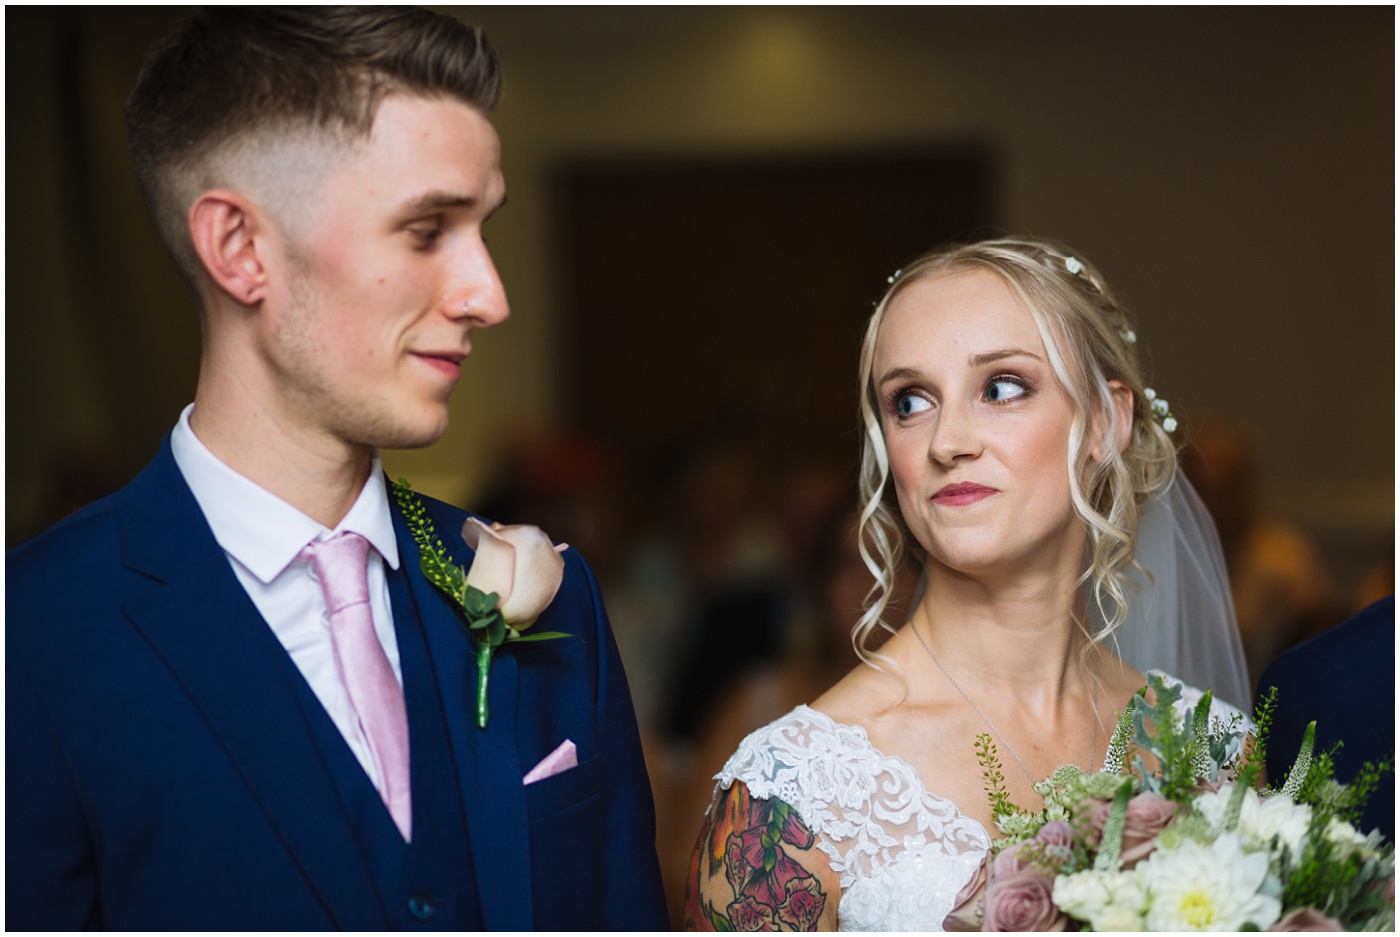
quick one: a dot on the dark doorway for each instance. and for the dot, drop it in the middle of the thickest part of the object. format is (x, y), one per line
(714, 312)
(702, 294)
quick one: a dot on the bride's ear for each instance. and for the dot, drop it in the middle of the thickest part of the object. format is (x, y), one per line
(1120, 431)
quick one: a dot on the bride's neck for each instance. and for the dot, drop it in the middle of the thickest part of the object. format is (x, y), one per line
(1018, 635)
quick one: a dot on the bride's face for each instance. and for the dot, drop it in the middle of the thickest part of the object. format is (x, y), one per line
(977, 427)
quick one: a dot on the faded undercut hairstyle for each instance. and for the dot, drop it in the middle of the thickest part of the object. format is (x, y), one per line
(261, 97)
(1090, 341)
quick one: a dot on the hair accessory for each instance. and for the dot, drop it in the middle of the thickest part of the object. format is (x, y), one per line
(894, 276)
(1130, 336)
(1161, 411)
(1073, 265)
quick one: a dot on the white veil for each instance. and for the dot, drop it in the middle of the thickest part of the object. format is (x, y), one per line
(1181, 618)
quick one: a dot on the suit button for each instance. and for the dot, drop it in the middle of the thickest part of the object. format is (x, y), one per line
(421, 907)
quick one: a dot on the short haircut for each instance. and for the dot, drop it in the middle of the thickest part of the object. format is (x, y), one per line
(235, 82)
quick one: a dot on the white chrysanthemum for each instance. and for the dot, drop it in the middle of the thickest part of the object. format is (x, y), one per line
(1082, 894)
(1216, 887)
(1109, 901)
(1343, 833)
(1261, 818)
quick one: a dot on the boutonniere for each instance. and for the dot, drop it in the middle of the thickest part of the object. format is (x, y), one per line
(514, 576)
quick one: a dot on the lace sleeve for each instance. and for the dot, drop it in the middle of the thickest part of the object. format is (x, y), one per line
(900, 853)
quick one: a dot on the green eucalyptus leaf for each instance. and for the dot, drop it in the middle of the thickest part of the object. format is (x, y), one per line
(480, 604)
(539, 636)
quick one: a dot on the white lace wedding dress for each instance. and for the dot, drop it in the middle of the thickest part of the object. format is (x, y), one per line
(902, 853)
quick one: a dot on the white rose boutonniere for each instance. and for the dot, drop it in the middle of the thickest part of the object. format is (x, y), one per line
(520, 564)
(514, 576)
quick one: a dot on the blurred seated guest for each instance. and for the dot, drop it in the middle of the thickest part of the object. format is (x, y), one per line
(726, 556)
(1377, 583)
(1345, 680)
(1283, 593)
(830, 586)
(837, 581)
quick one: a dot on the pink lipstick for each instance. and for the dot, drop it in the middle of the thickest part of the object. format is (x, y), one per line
(959, 494)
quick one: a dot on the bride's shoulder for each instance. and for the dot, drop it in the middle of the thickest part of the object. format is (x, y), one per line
(796, 756)
(792, 740)
(859, 696)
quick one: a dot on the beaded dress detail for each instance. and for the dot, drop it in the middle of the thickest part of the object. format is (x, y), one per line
(901, 853)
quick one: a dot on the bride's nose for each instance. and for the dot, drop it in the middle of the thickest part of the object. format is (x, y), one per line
(955, 435)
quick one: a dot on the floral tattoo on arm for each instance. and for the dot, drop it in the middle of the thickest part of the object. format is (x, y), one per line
(742, 877)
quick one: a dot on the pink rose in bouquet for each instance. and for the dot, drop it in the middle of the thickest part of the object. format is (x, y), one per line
(1018, 887)
(1148, 814)
(967, 906)
(1021, 901)
(1306, 919)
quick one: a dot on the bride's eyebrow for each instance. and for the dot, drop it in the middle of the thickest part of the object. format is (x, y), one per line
(893, 373)
(987, 357)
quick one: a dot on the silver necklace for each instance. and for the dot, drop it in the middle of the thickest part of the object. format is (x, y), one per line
(1093, 742)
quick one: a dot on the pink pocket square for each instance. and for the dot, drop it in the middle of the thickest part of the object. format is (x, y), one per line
(561, 759)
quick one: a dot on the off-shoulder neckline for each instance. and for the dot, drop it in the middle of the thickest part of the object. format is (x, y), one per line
(923, 790)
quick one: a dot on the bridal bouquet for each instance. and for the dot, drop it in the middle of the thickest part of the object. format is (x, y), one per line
(1193, 842)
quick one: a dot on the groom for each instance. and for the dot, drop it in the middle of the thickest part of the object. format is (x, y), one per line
(190, 744)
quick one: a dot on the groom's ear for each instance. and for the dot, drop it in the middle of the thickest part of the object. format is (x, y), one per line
(1115, 436)
(229, 231)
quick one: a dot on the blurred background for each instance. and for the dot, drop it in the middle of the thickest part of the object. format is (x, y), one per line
(704, 205)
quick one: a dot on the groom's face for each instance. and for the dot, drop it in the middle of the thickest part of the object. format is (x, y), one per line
(386, 273)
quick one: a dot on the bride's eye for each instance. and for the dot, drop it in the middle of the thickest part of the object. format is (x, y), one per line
(910, 404)
(1006, 388)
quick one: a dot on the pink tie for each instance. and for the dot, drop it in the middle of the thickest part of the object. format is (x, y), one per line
(374, 692)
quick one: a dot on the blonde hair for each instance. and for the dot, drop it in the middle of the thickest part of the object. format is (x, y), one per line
(1089, 340)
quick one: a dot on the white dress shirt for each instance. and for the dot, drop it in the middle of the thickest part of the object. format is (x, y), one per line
(261, 535)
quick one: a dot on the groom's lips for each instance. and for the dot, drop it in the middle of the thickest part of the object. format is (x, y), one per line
(446, 363)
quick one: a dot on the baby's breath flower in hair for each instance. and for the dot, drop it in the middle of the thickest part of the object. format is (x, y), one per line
(1161, 410)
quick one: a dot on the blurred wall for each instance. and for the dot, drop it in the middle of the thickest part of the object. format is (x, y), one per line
(1231, 169)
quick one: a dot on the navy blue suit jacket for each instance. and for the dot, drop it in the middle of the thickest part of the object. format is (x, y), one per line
(1344, 679)
(162, 771)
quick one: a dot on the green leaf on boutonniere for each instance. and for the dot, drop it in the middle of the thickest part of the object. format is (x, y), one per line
(478, 604)
(540, 636)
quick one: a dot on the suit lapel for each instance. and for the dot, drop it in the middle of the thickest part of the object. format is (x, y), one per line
(191, 609)
(488, 764)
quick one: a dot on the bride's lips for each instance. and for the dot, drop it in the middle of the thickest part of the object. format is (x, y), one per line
(961, 493)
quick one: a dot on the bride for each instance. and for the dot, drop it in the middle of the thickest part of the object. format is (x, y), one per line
(1013, 451)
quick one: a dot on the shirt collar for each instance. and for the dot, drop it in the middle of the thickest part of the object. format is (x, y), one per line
(259, 529)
